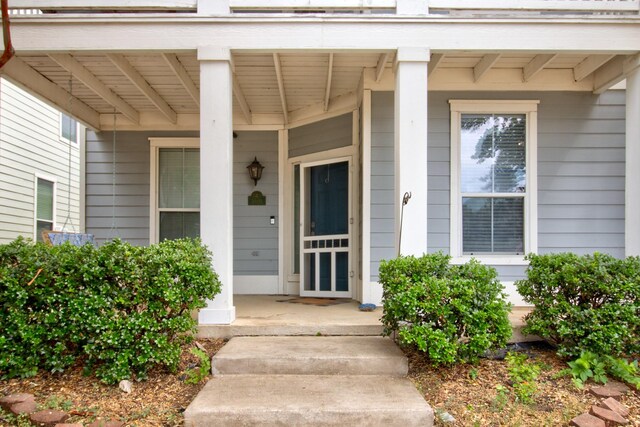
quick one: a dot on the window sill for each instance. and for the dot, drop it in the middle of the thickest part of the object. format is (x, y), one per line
(492, 260)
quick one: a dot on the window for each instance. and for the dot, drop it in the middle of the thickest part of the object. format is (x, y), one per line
(176, 184)
(68, 129)
(493, 179)
(45, 206)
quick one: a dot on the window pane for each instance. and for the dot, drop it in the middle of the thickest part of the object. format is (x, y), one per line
(492, 225)
(493, 153)
(176, 225)
(42, 226)
(69, 128)
(296, 219)
(44, 200)
(179, 178)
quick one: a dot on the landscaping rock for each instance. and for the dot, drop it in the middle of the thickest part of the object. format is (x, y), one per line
(607, 391)
(26, 407)
(615, 406)
(105, 423)
(616, 385)
(587, 420)
(446, 417)
(48, 418)
(200, 347)
(126, 386)
(7, 401)
(610, 417)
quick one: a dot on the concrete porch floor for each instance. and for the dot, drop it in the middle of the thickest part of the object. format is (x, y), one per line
(266, 315)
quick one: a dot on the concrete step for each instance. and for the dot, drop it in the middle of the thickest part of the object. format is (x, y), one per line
(310, 356)
(309, 400)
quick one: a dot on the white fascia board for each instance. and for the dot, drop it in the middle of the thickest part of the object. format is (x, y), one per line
(620, 36)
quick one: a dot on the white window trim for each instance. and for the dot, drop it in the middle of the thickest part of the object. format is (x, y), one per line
(155, 145)
(64, 139)
(530, 109)
(54, 205)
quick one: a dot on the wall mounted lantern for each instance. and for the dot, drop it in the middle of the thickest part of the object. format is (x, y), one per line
(255, 170)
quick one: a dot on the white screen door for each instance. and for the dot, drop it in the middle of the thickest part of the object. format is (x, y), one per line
(326, 227)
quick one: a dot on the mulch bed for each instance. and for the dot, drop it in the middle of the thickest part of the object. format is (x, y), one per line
(158, 401)
(477, 402)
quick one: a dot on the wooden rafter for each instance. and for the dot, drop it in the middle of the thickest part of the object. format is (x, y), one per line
(536, 65)
(382, 62)
(614, 71)
(244, 106)
(182, 75)
(138, 81)
(589, 65)
(484, 65)
(436, 58)
(70, 64)
(283, 95)
(22, 74)
(327, 91)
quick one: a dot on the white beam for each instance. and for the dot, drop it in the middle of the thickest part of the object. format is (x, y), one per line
(283, 95)
(155, 5)
(244, 106)
(67, 62)
(216, 166)
(411, 115)
(138, 81)
(536, 65)
(632, 171)
(35, 83)
(382, 62)
(337, 106)
(435, 61)
(484, 65)
(329, 34)
(311, 4)
(327, 91)
(182, 75)
(608, 75)
(589, 65)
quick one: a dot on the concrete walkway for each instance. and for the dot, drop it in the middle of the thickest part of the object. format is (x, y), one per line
(309, 381)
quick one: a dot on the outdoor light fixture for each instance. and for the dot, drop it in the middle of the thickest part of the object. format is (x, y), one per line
(255, 170)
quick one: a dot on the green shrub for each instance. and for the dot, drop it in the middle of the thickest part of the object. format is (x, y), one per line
(591, 366)
(589, 302)
(122, 309)
(451, 312)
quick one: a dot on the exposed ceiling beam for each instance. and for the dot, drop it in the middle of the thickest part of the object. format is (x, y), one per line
(614, 71)
(23, 75)
(434, 62)
(382, 62)
(180, 72)
(136, 78)
(536, 65)
(244, 106)
(484, 65)
(327, 91)
(590, 64)
(67, 62)
(339, 105)
(283, 95)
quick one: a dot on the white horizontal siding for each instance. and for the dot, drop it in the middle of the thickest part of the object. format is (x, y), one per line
(30, 145)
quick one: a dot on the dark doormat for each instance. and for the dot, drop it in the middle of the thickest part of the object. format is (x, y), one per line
(320, 302)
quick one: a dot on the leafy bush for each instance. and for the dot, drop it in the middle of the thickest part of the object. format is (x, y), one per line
(122, 309)
(451, 312)
(589, 302)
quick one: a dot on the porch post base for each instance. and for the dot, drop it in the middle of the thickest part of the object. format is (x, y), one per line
(217, 316)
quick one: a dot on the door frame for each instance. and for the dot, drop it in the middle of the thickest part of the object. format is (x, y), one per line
(350, 233)
(291, 281)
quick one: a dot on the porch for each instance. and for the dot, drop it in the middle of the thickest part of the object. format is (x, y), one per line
(288, 315)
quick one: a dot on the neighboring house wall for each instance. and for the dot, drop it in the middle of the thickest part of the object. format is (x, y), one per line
(30, 145)
(580, 173)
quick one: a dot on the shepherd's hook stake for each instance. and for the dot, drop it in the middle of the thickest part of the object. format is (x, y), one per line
(405, 200)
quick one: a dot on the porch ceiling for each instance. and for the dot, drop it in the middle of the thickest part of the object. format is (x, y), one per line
(162, 89)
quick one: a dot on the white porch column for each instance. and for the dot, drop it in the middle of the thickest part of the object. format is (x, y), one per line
(411, 148)
(216, 176)
(632, 165)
